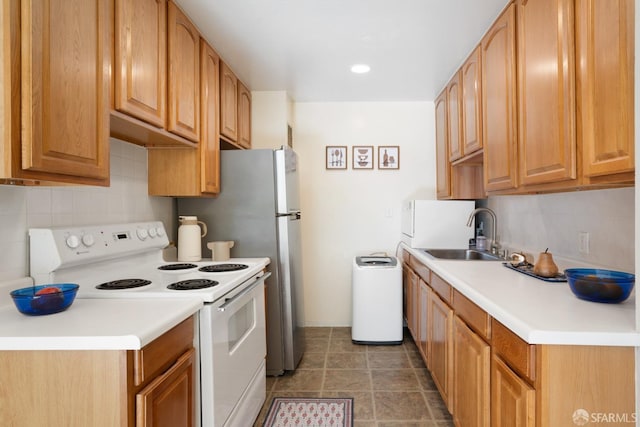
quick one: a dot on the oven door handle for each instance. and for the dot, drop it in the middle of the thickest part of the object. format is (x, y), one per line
(229, 301)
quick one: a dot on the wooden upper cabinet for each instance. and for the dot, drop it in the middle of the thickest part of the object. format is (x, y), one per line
(546, 108)
(471, 103)
(141, 59)
(605, 85)
(443, 169)
(454, 95)
(499, 105)
(228, 103)
(244, 116)
(65, 93)
(210, 101)
(184, 75)
(193, 172)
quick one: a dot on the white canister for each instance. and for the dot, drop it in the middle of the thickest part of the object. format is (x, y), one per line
(189, 238)
(220, 250)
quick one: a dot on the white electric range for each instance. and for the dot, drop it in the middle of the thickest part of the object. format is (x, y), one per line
(125, 261)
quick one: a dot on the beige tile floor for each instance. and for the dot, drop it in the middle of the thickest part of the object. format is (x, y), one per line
(390, 384)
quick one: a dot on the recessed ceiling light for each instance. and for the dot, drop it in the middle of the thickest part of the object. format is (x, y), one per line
(360, 68)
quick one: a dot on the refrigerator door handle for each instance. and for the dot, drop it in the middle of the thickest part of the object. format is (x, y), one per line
(294, 215)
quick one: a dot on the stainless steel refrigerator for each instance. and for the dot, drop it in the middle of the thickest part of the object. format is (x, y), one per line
(259, 209)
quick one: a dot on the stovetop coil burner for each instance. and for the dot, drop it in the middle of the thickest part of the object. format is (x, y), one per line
(190, 284)
(174, 267)
(124, 284)
(222, 268)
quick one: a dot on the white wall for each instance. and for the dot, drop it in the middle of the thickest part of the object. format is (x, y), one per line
(126, 200)
(354, 212)
(270, 114)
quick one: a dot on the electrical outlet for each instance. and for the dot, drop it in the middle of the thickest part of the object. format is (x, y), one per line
(583, 242)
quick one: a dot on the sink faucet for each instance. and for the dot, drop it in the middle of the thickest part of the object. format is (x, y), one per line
(494, 240)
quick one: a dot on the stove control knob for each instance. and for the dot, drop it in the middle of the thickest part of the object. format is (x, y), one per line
(160, 231)
(73, 241)
(152, 232)
(142, 233)
(88, 240)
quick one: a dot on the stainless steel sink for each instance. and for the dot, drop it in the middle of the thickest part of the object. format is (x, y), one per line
(463, 254)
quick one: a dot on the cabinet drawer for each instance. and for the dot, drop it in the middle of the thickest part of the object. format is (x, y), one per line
(441, 287)
(474, 316)
(421, 269)
(158, 355)
(519, 355)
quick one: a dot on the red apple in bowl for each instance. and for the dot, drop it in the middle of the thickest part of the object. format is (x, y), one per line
(47, 299)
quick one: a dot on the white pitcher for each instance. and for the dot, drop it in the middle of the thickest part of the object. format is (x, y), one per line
(189, 235)
(220, 250)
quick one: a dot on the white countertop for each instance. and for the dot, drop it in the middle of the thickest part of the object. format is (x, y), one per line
(539, 312)
(93, 324)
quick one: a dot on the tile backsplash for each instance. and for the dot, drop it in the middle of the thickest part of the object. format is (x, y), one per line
(126, 200)
(529, 222)
(555, 221)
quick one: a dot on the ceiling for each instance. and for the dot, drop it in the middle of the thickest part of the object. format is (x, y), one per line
(306, 47)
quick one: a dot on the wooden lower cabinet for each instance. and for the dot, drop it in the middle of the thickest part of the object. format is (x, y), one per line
(168, 400)
(512, 399)
(471, 362)
(423, 310)
(487, 375)
(102, 388)
(439, 345)
(412, 313)
(598, 379)
(405, 293)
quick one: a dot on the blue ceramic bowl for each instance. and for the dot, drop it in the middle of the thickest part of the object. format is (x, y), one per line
(44, 299)
(598, 285)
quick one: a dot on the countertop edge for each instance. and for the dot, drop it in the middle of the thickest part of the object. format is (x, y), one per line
(625, 337)
(133, 337)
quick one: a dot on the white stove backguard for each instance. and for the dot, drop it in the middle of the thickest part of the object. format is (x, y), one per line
(92, 255)
(59, 248)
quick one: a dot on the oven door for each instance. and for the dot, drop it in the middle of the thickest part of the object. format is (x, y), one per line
(233, 348)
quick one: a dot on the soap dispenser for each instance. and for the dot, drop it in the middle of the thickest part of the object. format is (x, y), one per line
(481, 241)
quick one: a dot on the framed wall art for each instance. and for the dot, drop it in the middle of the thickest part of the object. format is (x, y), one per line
(362, 157)
(336, 157)
(388, 157)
